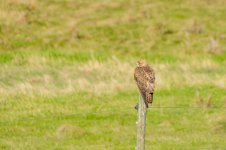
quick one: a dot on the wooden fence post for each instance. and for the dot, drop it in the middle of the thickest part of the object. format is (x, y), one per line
(141, 124)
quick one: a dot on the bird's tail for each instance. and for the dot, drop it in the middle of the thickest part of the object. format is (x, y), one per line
(149, 97)
(145, 97)
(152, 97)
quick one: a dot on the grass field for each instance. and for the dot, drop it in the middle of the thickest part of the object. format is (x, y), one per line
(66, 74)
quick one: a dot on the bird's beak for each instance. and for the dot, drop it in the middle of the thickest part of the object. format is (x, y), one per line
(137, 64)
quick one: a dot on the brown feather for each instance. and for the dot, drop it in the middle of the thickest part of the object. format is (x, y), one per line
(145, 79)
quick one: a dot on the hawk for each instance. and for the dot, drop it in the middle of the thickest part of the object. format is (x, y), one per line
(144, 76)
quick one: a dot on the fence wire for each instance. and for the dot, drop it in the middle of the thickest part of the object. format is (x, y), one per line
(126, 111)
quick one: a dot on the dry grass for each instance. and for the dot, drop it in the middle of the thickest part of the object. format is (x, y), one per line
(111, 76)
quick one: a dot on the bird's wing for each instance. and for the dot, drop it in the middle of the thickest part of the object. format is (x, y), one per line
(150, 79)
(149, 85)
(139, 76)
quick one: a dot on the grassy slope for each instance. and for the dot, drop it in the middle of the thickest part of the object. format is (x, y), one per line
(66, 73)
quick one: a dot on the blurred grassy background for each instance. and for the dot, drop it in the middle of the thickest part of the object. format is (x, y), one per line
(66, 73)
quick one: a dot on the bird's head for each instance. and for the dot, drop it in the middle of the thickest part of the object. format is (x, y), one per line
(141, 63)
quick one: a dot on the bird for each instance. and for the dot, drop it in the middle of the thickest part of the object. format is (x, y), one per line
(144, 76)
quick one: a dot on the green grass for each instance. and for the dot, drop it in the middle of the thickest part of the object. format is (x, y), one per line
(66, 74)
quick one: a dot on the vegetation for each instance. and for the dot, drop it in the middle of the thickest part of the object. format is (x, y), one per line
(66, 73)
